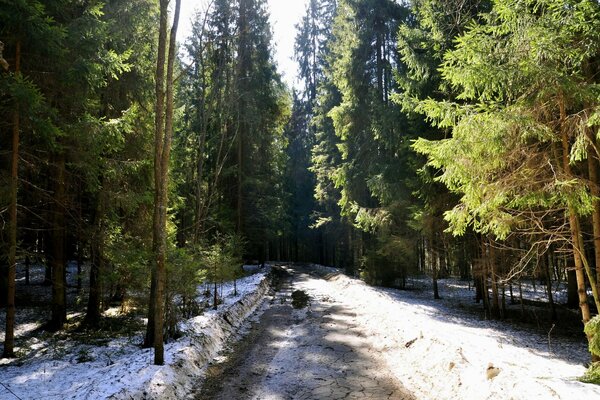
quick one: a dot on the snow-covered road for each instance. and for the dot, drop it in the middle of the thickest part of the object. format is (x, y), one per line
(357, 341)
(314, 352)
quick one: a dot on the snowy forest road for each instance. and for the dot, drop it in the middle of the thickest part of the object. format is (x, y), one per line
(297, 351)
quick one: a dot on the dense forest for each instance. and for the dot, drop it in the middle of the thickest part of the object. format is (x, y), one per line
(441, 138)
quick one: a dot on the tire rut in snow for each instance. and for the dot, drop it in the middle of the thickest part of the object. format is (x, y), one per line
(310, 353)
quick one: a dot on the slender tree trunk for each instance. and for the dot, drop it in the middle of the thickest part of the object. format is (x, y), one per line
(9, 337)
(47, 269)
(595, 189)
(572, 295)
(79, 265)
(149, 337)
(546, 261)
(92, 316)
(495, 311)
(57, 258)
(521, 299)
(241, 70)
(162, 142)
(216, 292)
(484, 279)
(157, 231)
(578, 252)
(503, 310)
(434, 267)
(379, 27)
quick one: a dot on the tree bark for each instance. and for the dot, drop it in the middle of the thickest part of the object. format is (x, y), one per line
(9, 338)
(578, 252)
(162, 150)
(595, 190)
(92, 316)
(572, 296)
(57, 257)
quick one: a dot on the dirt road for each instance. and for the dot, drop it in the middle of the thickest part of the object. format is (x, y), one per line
(302, 351)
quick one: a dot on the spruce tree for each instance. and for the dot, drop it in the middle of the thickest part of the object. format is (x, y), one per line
(521, 125)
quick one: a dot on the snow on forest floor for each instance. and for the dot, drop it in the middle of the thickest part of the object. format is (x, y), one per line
(55, 366)
(441, 349)
(436, 349)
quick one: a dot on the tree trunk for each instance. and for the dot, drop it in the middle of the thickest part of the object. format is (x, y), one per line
(79, 265)
(162, 141)
(9, 337)
(241, 70)
(484, 279)
(572, 295)
(578, 252)
(216, 291)
(546, 261)
(57, 256)
(434, 267)
(495, 311)
(521, 299)
(149, 337)
(595, 190)
(92, 316)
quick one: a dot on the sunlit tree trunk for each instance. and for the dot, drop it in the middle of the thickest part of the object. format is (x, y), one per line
(578, 252)
(162, 149)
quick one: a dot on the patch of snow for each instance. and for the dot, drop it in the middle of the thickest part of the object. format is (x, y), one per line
(121, 369)
(438, 351)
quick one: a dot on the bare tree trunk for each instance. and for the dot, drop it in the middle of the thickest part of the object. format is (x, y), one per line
(162, 141)
(9, 337)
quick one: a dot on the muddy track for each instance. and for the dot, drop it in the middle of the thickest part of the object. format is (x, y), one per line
(315, 352)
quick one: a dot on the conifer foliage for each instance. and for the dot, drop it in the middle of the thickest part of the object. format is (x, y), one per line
(425, 138)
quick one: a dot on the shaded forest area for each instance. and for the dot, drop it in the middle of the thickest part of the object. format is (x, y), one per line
(448, 138)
